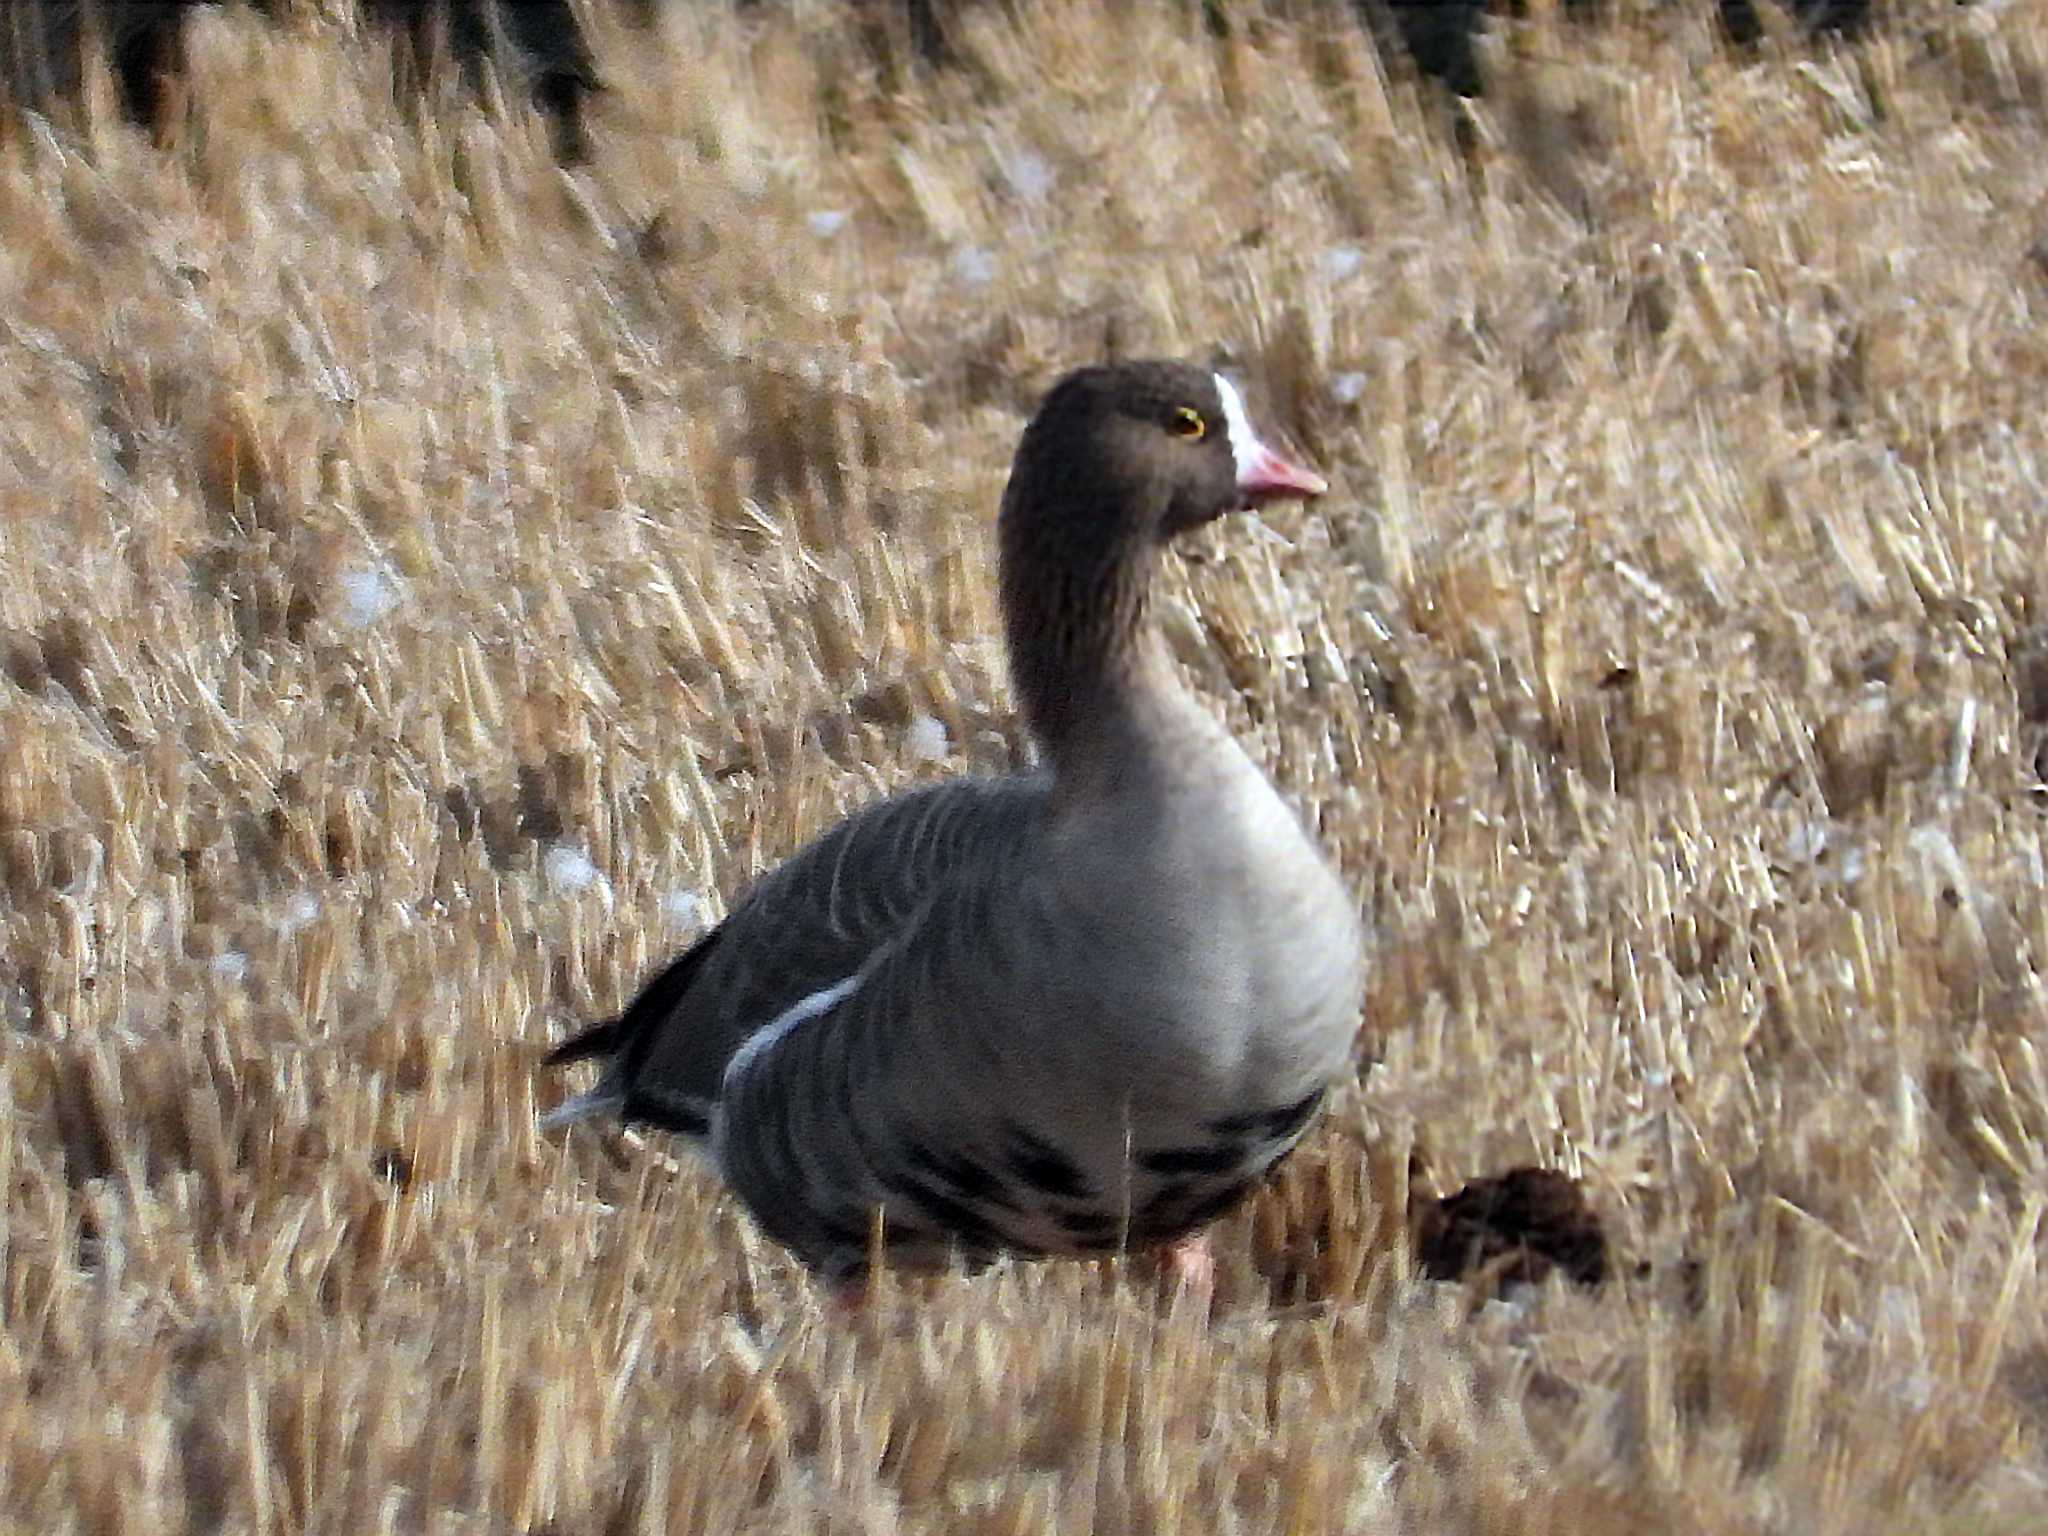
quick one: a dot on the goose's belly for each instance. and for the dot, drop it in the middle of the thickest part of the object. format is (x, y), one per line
(1156, 1188)
(1030, 1194)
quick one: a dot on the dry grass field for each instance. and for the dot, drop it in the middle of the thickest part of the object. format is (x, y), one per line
(432, 584)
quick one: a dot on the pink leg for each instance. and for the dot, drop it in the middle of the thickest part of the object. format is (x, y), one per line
(847, 1301)
(1188, 1265)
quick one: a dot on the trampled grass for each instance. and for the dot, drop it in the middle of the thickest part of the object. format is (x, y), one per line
(431, 584)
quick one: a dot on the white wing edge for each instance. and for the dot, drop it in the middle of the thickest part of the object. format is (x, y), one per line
(771, 1034)
(584, 1106)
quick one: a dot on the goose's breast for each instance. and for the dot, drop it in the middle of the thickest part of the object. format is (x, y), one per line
(1218, 928)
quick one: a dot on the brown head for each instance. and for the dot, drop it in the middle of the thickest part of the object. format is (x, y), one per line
(1118, 460)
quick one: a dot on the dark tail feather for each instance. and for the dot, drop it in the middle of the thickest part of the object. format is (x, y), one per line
(598, 1040)
(644, 1016)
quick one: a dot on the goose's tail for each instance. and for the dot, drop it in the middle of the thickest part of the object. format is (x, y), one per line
(598, 1040)
(607, 1098)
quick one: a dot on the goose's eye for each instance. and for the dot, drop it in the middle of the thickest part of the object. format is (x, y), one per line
(1188, 423)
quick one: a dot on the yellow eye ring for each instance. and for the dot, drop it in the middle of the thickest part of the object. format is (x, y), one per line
(1188, 423)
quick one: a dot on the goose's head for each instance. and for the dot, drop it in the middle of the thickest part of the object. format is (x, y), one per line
(1119, 460)
(1128, 455)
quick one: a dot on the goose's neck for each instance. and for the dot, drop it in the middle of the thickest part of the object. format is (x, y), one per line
(1090, 671)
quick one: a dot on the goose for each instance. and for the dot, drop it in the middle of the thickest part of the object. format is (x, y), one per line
(1071, 1011)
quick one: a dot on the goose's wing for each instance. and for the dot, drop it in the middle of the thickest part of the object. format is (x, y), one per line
(808, 926)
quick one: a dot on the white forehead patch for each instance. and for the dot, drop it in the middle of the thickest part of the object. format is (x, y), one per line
(1244, 442)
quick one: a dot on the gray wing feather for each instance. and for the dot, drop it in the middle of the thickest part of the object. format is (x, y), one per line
(815, 920)
(819, 1125)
